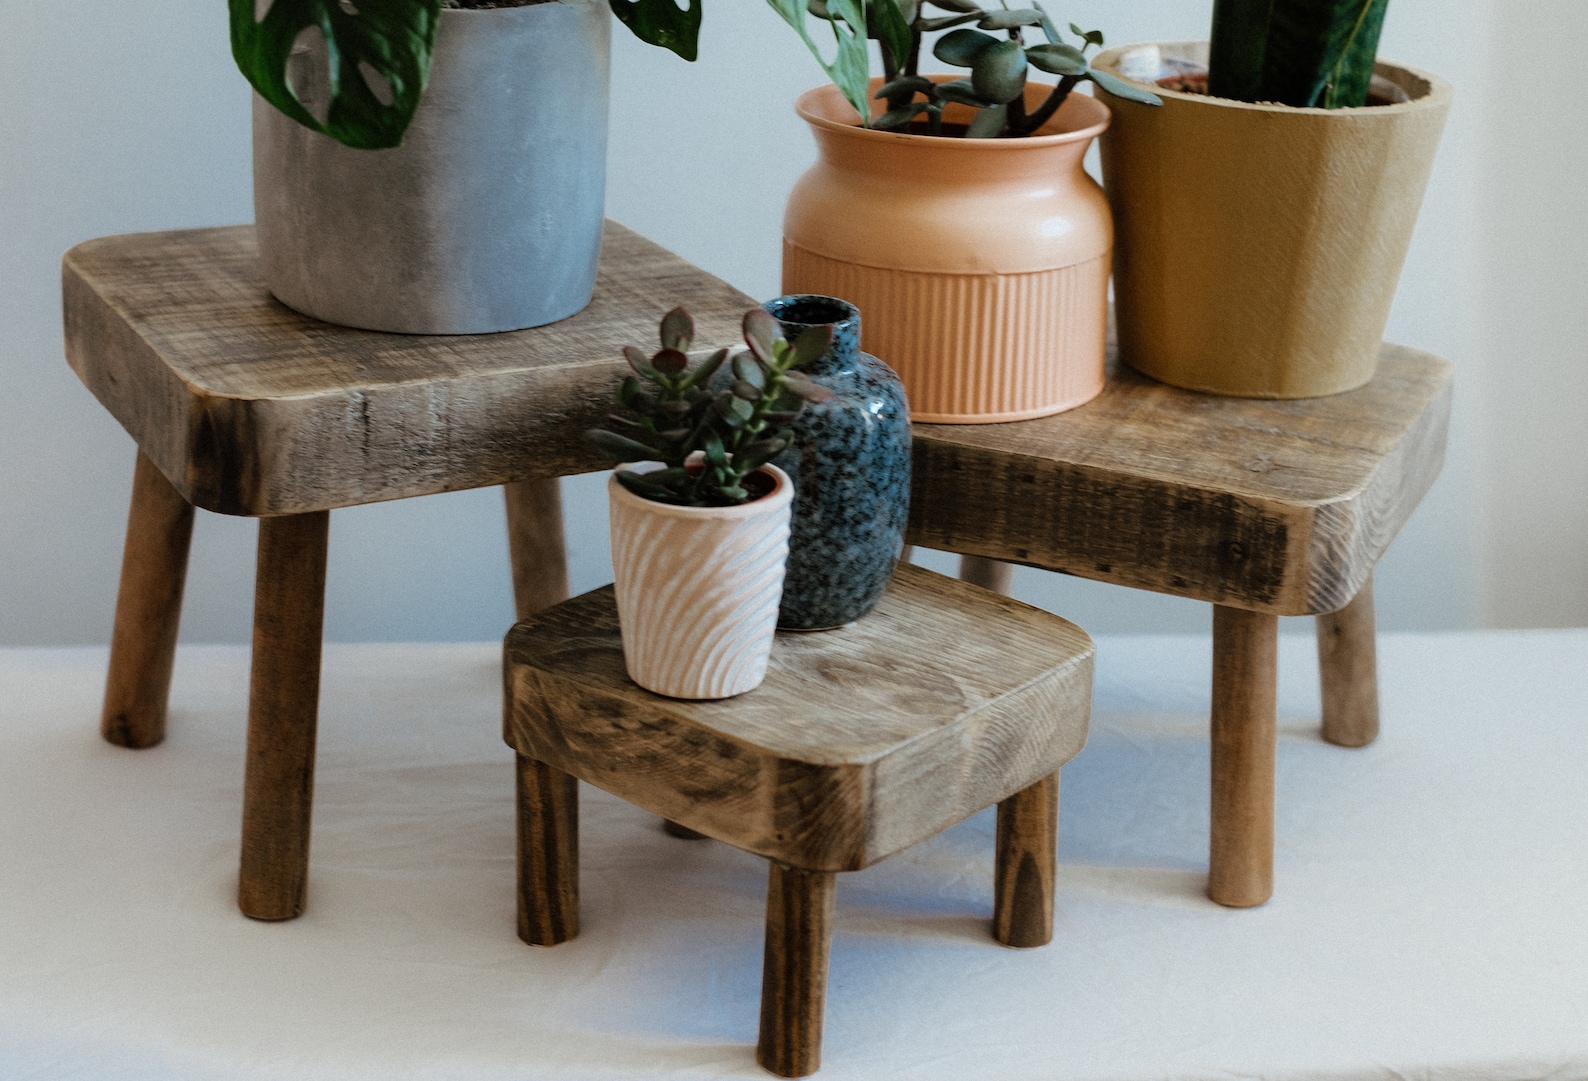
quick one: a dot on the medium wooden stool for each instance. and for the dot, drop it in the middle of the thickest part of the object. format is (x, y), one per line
(862, 742)
(242, 406)
(1264, 508)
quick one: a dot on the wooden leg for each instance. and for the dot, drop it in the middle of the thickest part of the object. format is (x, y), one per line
(1348, 671)
(681, 831)
(799, 930)
(148, 610)
(1241, 857)
(1028, 836)
(283, 707)
(535, 543)
(548, 854)
(987, 573)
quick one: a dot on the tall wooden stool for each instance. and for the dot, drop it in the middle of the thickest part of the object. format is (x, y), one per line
(241, 406)
(862, 742)
(1264, 508)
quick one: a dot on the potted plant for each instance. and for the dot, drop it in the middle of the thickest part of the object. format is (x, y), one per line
(435, 166)
(954, 212)
(1264, 212)
(699, 516)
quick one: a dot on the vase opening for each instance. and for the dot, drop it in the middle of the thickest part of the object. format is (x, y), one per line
(809, 310)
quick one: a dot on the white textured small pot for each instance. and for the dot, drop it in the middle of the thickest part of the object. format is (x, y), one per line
(487, 218)
(698, 589)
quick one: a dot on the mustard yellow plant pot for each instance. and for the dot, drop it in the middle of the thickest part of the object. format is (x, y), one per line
(980, 266)
(1259, 246)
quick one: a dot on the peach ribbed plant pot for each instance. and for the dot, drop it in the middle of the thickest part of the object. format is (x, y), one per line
(980, 266)
(698, 589)
(1260, 245)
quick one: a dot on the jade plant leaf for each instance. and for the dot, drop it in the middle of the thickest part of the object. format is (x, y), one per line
(662, 22)
(961, 47)
(393, 39)
(1057, 59)
(999, 72)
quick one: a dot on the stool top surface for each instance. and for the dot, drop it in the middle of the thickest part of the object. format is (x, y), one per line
(249, 407)
(862, 741)
(1280, 506)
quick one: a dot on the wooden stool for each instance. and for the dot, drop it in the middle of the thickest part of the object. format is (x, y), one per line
(862, 742)
(1264, 508)
(241, 406)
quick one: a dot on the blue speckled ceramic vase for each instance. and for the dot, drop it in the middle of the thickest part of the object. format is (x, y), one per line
(851, 468)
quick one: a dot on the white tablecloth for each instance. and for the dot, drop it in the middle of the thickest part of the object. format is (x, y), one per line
(1430, 918)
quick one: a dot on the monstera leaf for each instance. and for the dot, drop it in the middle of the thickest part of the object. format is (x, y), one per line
(850, 70)
(662, 22)
(392, 39)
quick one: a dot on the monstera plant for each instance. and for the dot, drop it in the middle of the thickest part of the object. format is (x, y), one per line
(380, 52)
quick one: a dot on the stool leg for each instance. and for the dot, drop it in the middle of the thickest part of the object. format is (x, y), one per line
(799, 931)
(1241, 857)
(148, 610)
(1028, 835)
(283, 707)
(548, 853)
(535, 544)
(1348, 671)
(987, 573)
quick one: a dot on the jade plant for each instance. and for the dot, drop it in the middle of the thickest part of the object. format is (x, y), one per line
(710, 434)
(1316, 53)
(995, 51)
(380, 52)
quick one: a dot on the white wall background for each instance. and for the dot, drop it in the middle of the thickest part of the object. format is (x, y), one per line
(118, 117)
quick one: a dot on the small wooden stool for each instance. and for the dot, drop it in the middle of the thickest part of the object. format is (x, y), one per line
(862, 742)
(1264, 508)
(242, 406)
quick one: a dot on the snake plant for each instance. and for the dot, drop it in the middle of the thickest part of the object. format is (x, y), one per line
(1295, 52)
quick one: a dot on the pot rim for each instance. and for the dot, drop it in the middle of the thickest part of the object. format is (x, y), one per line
(804, 106)
(1438, 95)
(778, 498)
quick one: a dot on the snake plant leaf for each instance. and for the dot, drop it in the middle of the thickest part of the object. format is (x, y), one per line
(1315, 53)
(961, 47)
(393, 38)
(662, 22)
(1122, 89)
(1057, 59)
(1008, 20)
(850, 70)
(999, 72)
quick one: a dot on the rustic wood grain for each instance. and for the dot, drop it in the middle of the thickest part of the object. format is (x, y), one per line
(1027, 855)
(1241, 831)
(148, 610)
(548, 854)
(861, 742)
(1348, 671)
(251, 408)
(535, 544)
(1272, 506)
(283, 708)
(799, 931)
(987, 573)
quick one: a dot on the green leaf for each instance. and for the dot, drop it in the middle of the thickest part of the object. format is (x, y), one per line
(678, 329)
(761, 333)
(393, 38)
(988, 123)
(812, 344)
(619, 448)
(898, 118)
(806, 387)
(707, 369)
(1008, 20)
(960, 90)
(1296, 52)
(659, 22)
(999, 72)
(643, 486)
(639, 361)
(946, 21)
(850, 70)
(746, 390)
(970, 6)
(889, 26)
(961, 47)
(1057, 59)
(1122, 89)
(748, 371)
(670, 361)
(914, 84)
(716, 454)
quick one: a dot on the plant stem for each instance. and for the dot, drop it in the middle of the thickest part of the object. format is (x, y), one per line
(1048, 108)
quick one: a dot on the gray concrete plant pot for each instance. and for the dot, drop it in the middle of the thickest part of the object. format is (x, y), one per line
(487, 218)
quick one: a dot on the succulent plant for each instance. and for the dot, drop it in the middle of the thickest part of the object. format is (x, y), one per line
(999, 61)
(710, 434)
